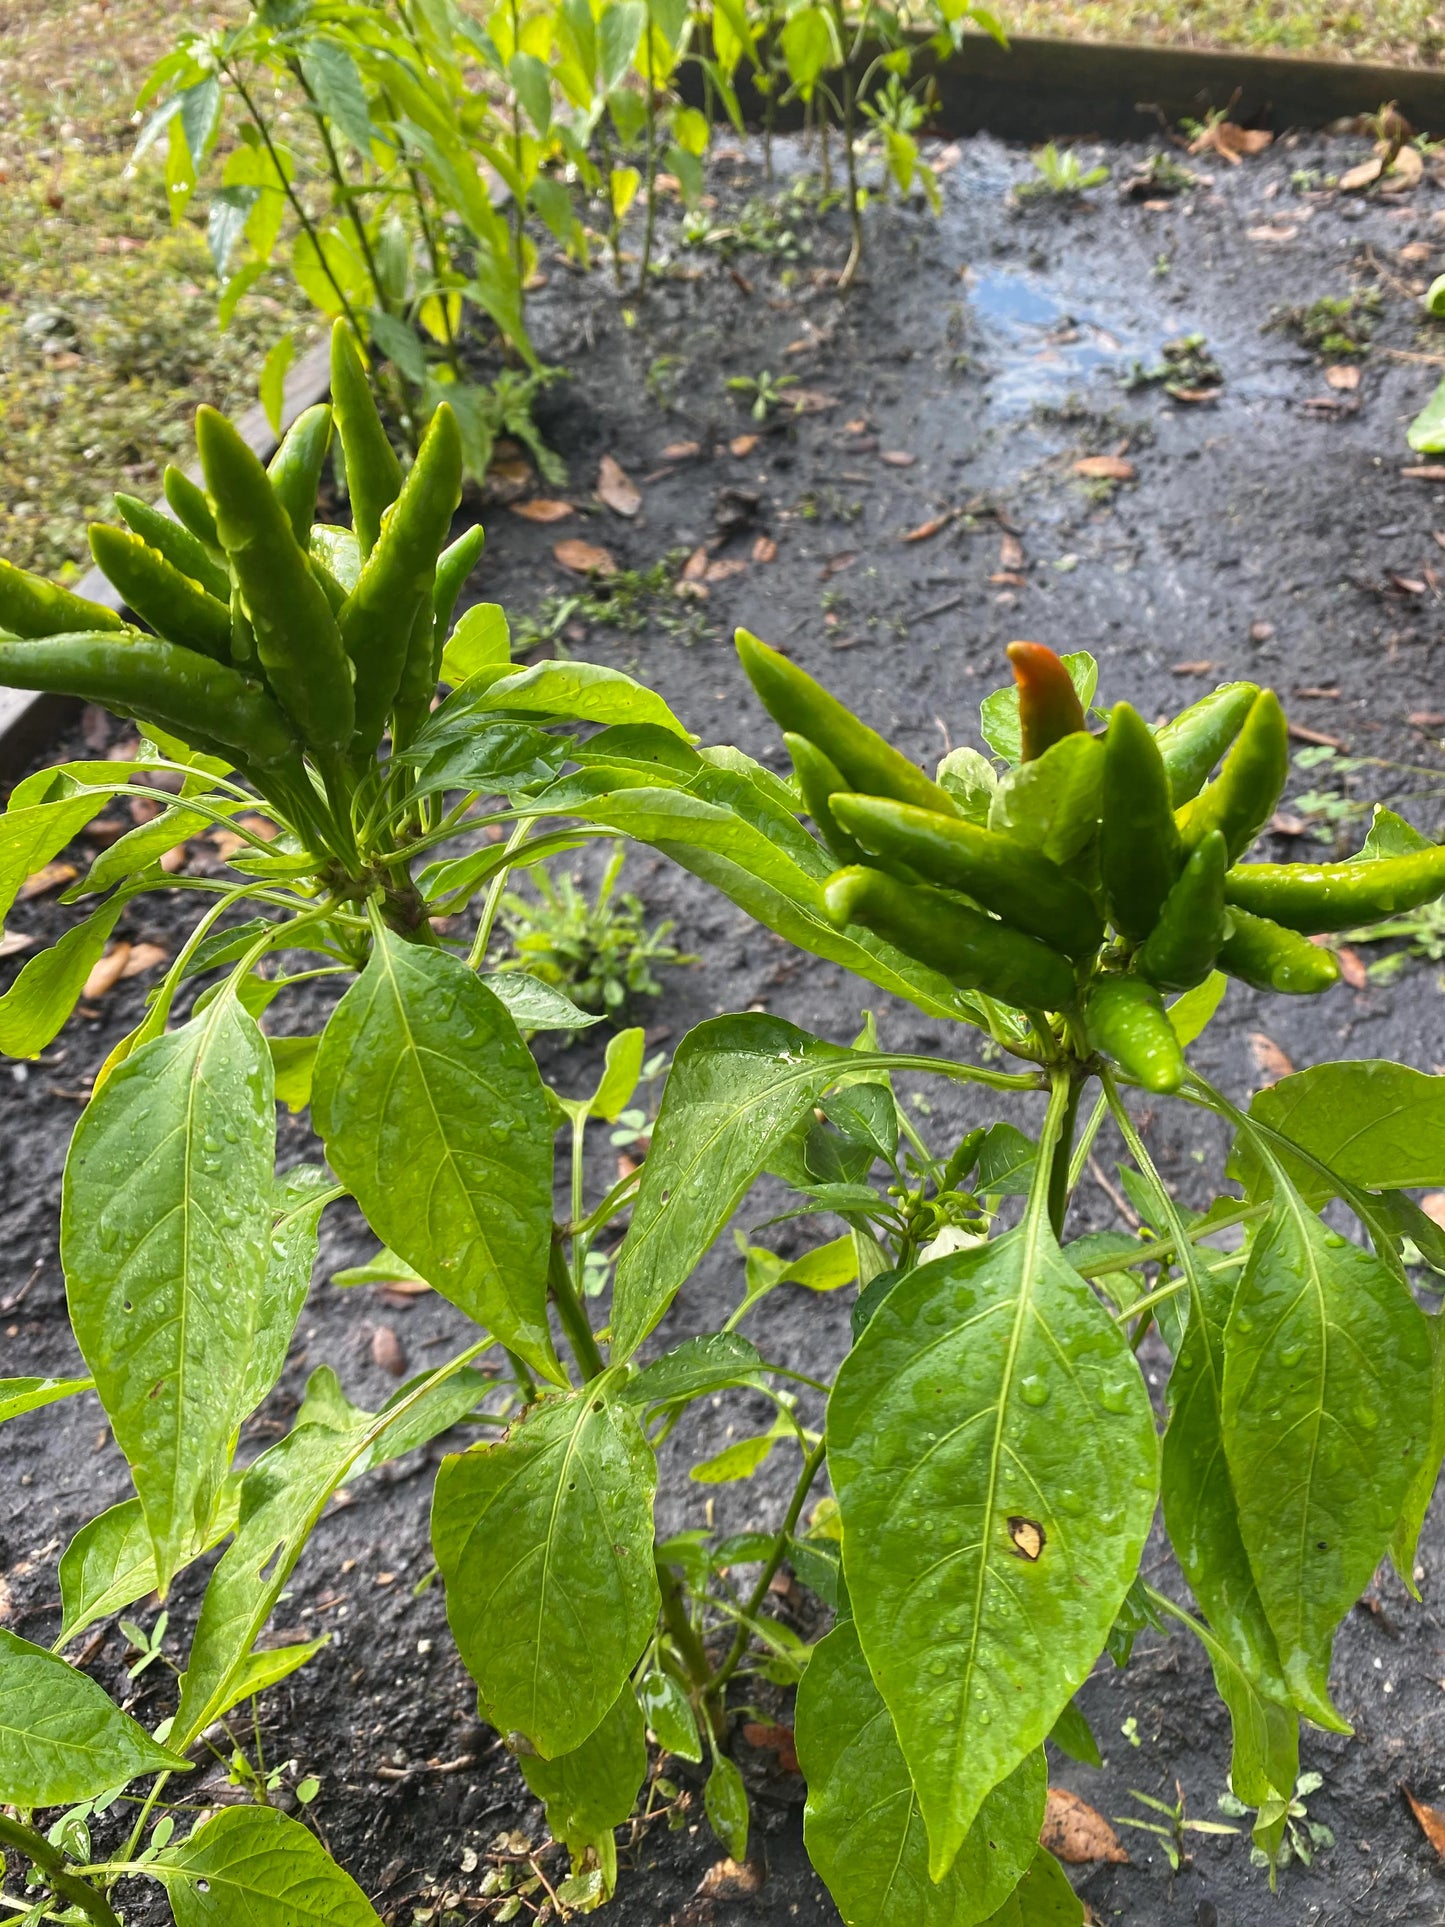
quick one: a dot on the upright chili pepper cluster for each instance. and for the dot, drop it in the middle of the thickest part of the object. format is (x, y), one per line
(1151, 895)
(274, 640)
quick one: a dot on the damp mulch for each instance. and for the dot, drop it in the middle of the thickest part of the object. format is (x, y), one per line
(914, 500)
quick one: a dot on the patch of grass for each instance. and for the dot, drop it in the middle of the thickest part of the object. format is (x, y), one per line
(107, 314)
(631, 601)
(1408, 32)
(1335, 324)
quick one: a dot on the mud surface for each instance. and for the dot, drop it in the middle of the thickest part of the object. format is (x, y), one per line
(1267, 533)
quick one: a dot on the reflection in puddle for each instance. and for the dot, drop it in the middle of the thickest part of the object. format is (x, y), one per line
(1038, 346)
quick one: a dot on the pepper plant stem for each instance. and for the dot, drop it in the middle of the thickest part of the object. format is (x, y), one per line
(51, 1862)
(812, 1466)
(574, 1318)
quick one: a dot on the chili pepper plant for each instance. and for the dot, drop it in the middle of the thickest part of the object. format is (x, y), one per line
(994, 1457)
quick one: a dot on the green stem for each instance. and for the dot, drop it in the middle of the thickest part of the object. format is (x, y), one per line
(51, 1862)
(498, 884)
(140, 1826)
(1085, 1142)
(650, 226)
(812, 1465)
(574, 1317)
(1060, 1170)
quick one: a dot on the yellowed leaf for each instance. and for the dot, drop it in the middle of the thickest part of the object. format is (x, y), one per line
(1432, 1822)
(1076, 1834)
(741, 445)
(542, 509)
(931, 527)
(1343, 377)
(1364, 175)
(616, 489)
(584, 558)
(681, 451)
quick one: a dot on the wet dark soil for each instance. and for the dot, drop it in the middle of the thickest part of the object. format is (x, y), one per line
(1268, 533)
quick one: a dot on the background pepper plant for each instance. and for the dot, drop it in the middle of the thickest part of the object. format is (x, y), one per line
(994, 1457)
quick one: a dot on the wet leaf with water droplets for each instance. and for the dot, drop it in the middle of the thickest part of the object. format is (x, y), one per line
(989, 1537)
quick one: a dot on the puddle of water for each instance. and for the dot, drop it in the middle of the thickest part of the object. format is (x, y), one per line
(1039, 345)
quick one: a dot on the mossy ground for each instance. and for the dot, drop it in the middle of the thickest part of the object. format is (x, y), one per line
(108, 338)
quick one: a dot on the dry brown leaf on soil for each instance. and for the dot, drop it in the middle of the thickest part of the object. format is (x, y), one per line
(810, 401)
(777, 1739)
(583, 558)
(1426, 718)
(1433, 1205)
(1200, 668)
(1271, 233)
(1425, 472)
(1301, 733)
(695, 567)
(107, 972)
(858, 427)
(1269, 1059)
(1343, 377)
(1406, 172)
(1432, 1822)
(386, 1351)
(897, 458)
(933, 526)
(44, 881)
(681, 451)
(1194, 394)
(542, 508)
(1010, 553)
(1230, 141)
(741, 445)
(508, 478)
(616, 489)
(1352, 967)
(731, 1877)
(12, 942)
(722, 570)
(1076, 1834)
(836, 564)
(1105, 468)
(143, 957)
(765, 549)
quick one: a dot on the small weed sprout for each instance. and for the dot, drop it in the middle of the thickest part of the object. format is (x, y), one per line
(766, 391)
(1061, 174)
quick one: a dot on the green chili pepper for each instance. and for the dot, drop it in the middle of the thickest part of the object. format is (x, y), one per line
(174, 606)
(190, 507)
(295, 469)
(1139, 854)
(31, 606)
(1193, 742)
(973, 951)
(180, 548)
(1265, 954)
(373, 474)
(418, 685)
(1242, 797)
(1335, 896)
(136, 675)
(379, 618)
(454, 565)
(1180, 950)
(819, 781)
(1049, 706)
(1125, 1019)
(243, 636)
(866, 760)
(1022, 885)
(297, 641)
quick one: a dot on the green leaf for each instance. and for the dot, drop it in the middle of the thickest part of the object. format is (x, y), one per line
(332, 76)
(711, 1362)
(536, 1005)
(1073, 1735)
(592, 1789)
(1326, 1412)
(384, 1269)
(1372, 1122)
(434, 1413)
(1043, 1898)
(146, 844)
(669, 1715)
(1198, 1493)
(622, 1068)
(20, 1395)
(111, 1563)
(583, 692)
(551, 1632)
(1053, 803)
(725, 1801)
(301, 1195)
(164, 1235)
(862, 1826)
(435, 1119)
(1391, 835)
(273, 380)
(740, 1460)
(1426, 434)
(481, 639)
(1406, 1537)
(810, 44)
(737, 1087)
(31, 835)
(254, 1867)
(1265, 1761)
(1006, 1161)
(993, 1452)
(1190, 1013)
(293, 1063)
(281, 1499)
(62, 1737)
(999, 713)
